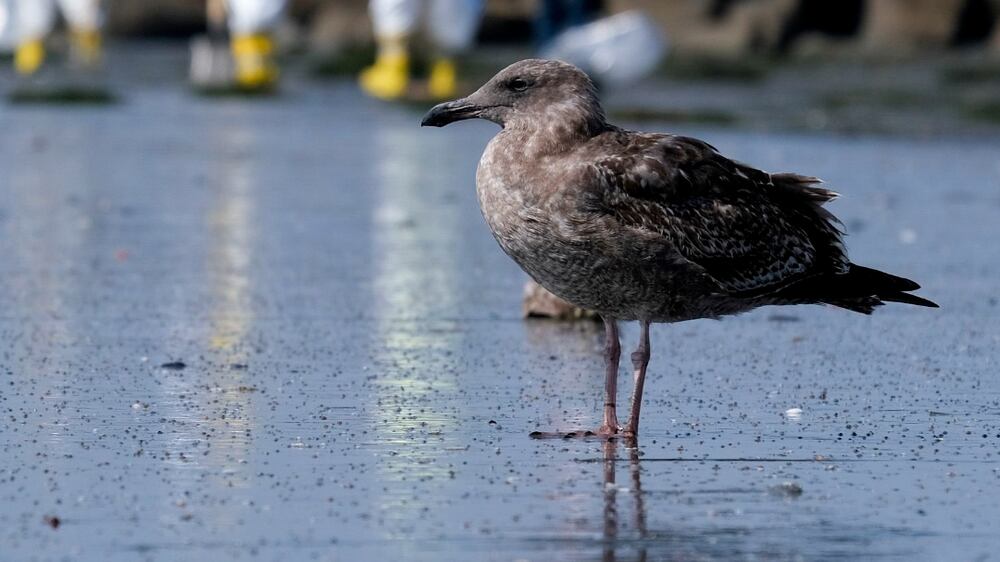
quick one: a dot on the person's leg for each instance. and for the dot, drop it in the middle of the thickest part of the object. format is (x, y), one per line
(394, 21)
(547, 21)
(251, 24)
(452, 25)
(34, 21)
(580, 12)
(84, 18)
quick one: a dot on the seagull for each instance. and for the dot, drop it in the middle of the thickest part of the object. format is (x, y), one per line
(649, 227)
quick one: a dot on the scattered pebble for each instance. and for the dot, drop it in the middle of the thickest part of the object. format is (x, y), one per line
(787, 489)
(782, 318)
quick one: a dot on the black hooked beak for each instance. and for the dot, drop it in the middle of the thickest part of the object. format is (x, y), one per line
(449, 112)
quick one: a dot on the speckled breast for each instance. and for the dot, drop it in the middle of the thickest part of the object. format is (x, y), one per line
(584, 261)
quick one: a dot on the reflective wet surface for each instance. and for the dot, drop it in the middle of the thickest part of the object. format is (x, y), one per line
(277, 329)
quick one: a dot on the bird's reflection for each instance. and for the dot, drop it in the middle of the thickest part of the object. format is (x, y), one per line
(613, 523)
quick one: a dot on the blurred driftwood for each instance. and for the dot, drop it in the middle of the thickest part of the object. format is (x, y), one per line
(887, 27)
(905, 26)
(540, 303)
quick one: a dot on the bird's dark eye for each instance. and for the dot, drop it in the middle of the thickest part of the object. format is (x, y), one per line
(518, 84)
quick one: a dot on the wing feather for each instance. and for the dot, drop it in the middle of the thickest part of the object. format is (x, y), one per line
(751, 231)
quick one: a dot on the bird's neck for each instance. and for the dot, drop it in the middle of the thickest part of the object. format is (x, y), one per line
(561, 128)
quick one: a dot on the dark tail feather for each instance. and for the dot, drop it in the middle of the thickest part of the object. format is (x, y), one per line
(867, 279)
(908, 299)
(806, 187)
(862, 289)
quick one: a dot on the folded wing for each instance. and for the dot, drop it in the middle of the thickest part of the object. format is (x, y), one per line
(754, 233)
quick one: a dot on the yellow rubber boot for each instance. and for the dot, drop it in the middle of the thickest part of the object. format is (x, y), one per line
(87, 46)
(443, 81)
(389, 77)
(254, 58)
(29, 56)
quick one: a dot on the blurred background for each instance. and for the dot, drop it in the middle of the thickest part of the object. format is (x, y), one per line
(909, 66)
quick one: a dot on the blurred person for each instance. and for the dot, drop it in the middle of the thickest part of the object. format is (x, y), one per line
(251, 27)
(555, 16)
(6, 28)
(451, 26)
(34, 20)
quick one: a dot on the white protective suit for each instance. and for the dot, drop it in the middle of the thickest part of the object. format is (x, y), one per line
(34, 19)
(452, 24)
(7, 39)
(248, 17)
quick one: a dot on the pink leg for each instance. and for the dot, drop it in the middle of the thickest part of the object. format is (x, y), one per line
(640, 359)
(612, 353)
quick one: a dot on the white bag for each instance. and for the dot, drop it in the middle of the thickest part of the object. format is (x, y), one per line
(618, 49)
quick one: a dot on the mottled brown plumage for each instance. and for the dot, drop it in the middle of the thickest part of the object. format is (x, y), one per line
(649, 227)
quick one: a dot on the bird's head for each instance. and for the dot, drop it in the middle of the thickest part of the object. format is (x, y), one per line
(529, 92)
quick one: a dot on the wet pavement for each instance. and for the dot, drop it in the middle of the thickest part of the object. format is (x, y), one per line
(277, 329)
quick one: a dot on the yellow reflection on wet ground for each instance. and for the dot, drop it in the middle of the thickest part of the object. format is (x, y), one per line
(215, 403)
(49, 274)
(231, 231)
(415, 280)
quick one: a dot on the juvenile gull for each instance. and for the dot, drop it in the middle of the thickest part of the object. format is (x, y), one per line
(645, 226)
